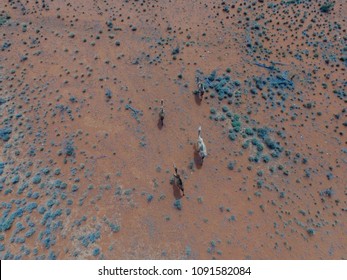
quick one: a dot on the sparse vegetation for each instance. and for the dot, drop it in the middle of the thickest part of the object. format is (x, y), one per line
(326, 7)
(86, 165)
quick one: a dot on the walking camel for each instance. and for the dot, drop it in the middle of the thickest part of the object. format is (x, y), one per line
(177, 180)
(201, 88)
(162, 112)
(200, 146)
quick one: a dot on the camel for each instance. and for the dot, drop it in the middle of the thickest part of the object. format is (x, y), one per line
(162, 112)
(201, 88)
(200, 146)
(177, 180)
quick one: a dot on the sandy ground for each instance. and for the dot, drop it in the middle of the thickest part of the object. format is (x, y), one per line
(86, 168)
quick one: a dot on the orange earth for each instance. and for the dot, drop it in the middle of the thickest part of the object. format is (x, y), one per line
(86, 168)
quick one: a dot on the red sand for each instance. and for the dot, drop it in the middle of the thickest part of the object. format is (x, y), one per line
(115, 151)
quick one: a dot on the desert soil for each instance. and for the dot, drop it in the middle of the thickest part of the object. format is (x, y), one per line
(86, 168)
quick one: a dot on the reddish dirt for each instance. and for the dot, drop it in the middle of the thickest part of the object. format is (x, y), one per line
(63, 58)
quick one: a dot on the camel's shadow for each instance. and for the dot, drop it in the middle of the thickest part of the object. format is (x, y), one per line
(160, 124)
(176, 191)
(197, 159)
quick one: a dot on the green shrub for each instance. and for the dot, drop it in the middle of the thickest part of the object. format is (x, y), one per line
(327, 7)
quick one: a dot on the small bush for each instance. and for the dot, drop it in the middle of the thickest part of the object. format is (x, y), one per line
(96, 252)
(177, 204)
(69, 149)
(115, 228)
(15, 179)
(149, 197)
(74, 188)
(36, 179)
(31, 206)
(328, 192)
(232, 136)
(108, 94)
(231, 165)
(327, 7)
(188, 251)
